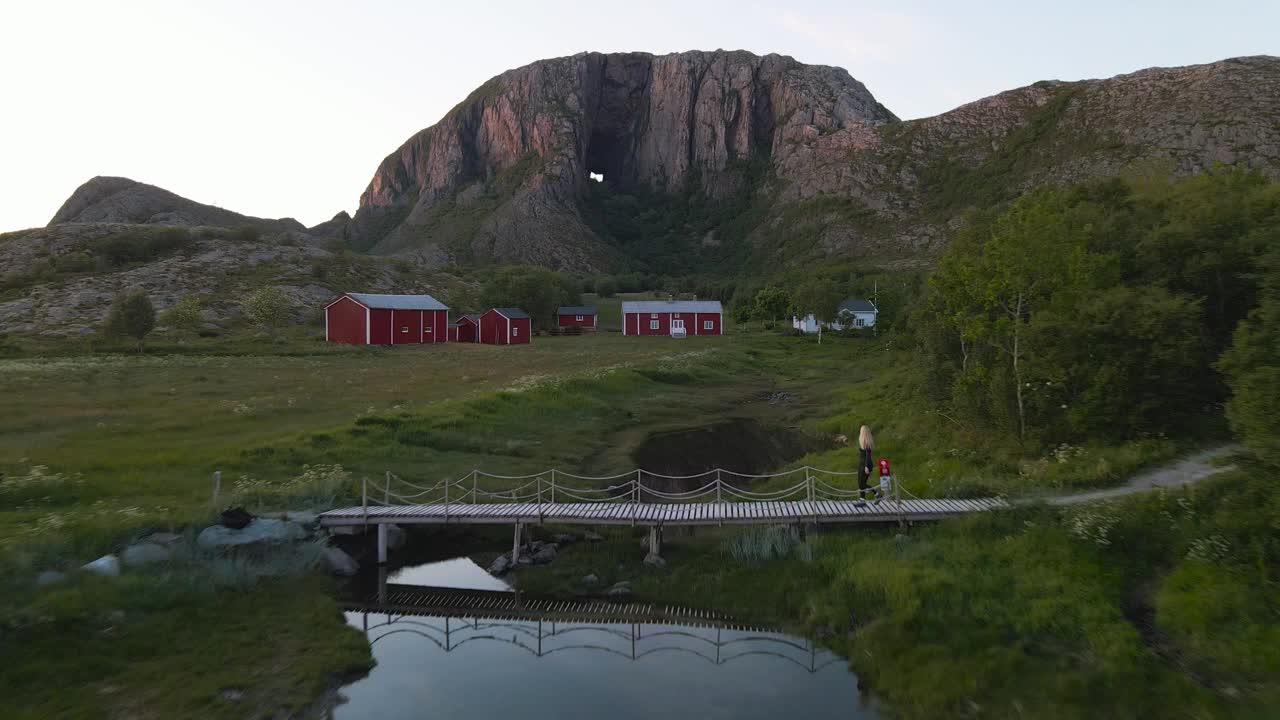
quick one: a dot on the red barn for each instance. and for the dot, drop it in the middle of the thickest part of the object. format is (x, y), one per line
(583, 317)
(505, 326)
(365, 319)
(677, 318)
(469, 328)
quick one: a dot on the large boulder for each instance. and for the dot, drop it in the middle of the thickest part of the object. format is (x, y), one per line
(545, 554)
(620, 592)
(654, 560)
(261, 530)
(340, 563)
(500, 565)
(144, 554)
(107, 566)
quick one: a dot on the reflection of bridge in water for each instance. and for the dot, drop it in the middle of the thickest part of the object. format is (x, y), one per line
(451, 618)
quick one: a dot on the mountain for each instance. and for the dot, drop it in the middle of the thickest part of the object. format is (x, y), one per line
(121, 200)
(766, 161)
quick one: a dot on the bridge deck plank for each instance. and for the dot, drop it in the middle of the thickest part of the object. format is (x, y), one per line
(654, 513)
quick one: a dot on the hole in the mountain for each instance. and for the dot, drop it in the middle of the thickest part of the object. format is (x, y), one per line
(598, 177)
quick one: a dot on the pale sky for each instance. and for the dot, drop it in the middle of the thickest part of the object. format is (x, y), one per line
(282, 109)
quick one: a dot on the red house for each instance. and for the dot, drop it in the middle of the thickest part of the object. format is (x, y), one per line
(469, 328)
(365, 319)
(677, 318)
(505, 326)
(583, 317)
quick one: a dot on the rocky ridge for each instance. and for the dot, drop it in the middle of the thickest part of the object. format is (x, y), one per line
(121, 200)
(503, 176)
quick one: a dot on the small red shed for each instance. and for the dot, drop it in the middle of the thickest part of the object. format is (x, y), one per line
(505, 326)
(469, 328)
(368, 319)
(677, 318)
(581, 317)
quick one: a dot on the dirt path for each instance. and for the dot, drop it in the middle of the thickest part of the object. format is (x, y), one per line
(1187, 471)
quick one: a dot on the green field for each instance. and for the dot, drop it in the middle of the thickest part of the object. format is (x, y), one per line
(100, 449)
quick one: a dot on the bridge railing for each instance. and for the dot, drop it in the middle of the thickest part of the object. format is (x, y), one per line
(556, 486)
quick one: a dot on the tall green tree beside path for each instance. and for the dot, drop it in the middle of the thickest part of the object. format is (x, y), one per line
(184, 316)
(131, 315)
(1017, 270)
(1252, 366)
(537, 291)
(269, 309)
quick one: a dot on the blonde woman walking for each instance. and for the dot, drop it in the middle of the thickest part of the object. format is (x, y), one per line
(866, 443)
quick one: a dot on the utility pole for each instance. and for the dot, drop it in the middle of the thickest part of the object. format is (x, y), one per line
(875, 302)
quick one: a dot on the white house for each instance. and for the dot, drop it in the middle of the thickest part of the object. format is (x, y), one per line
(852, 313)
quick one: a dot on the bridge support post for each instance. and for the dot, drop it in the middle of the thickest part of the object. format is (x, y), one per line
(515, 546)
(655, 540)
(382, 543)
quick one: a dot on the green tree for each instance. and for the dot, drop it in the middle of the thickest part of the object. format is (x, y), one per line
(606, 287)
(820, 297)
(185, 315)
(269, 309)
(131, 315)
(1252, 367)
(537, 291)
(771, 303)
(1016, 273)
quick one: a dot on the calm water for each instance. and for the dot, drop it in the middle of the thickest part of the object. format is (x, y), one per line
(454, 667)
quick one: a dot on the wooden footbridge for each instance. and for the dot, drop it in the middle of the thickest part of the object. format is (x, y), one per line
(637, 498)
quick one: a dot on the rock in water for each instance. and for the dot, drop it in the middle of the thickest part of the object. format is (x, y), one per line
(144, 554)
(590, 580)
(566, 539)
(261, 530)
(500, 565)
(619, 592)
(340, 563)
(107, 565)
(545, 554)
(655, 560)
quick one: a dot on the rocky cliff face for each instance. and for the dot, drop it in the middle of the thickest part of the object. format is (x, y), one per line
(501, 175)
(504, 175)
(121, 200)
